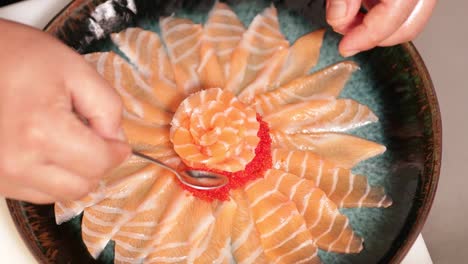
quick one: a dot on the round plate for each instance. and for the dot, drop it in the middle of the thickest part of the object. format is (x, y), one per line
(393, 82)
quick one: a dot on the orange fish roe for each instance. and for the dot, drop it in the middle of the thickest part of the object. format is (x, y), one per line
(255, 169)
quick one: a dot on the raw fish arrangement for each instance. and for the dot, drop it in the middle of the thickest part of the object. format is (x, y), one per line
(239, 101)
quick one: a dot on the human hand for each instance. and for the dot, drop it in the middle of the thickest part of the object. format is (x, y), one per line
(388, 22)
(46, 153)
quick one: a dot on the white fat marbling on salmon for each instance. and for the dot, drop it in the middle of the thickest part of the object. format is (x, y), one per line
(364, 196)
(271, 212)
(253, 256)
(177, 28)
(205, 59)
(166, 259)
(243, 237)
(302, 229)
(332, 244)
(222, 38)
(305, 244)
(137, 108)
(227, 27)
(279, 227)
(350, 190)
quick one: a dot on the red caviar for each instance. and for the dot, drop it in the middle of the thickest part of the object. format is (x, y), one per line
(255, 169)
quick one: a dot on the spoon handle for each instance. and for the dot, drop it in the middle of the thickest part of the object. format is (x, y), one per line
(153, 160)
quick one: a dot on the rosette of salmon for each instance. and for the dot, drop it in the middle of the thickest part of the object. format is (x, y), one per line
(238, 101)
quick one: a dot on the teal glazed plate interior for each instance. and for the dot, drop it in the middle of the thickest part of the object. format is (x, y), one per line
(393, 82)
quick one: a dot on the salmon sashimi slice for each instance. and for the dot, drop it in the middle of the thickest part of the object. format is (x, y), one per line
(183, 38)
(320, 116)
(303, 56)
(329, 228)
(344, 150)
(224, 31)
(142, 135)
(210, 70)
(286, 65)
(101, 221)
(141, 48)
(114, 182)
(342, 187)
(216, 245)
(182, 227)
(146, 51)
(212, 128)
(221, 34)
(246, 245)
(258, 44)
(266, 79)
(324, 84)
(283, 232)
(148, 223)
(135, 92)
(130, 239)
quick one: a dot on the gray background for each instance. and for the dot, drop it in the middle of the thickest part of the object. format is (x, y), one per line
(443, 46)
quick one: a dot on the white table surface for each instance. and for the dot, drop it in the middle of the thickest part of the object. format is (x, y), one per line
(38, 13)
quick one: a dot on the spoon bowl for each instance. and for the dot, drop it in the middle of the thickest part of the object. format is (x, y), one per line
(197, 179)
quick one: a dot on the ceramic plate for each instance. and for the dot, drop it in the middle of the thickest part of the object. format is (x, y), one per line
(393, 82)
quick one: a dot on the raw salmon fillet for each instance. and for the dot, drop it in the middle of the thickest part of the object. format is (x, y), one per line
(224, 30)
(104, 219)
(329, 228)
(130, 239)
(344, 150)
(286, 65)
(146, 51)
(246, 245)
(261, 40)
(340, 185)
(182, 38)
(216, 245)
(136, 94)
(323, 84)
(283, 231)
(115, 181)
(320, 116)
(221, 34)
(181, 228)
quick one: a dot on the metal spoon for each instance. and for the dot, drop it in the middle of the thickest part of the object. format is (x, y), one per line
(201, 180)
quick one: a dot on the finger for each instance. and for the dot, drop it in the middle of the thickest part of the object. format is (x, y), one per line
(413, 25)
(97, 101)
(382, 21)
(73, 146)
(25, 194)
(58, 183)
(343, 14)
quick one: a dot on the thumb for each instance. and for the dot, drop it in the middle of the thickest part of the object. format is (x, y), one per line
(342, 15)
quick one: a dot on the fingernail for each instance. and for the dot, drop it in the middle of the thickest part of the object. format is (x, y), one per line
(121, 135)
(349, 53)
(337, 9)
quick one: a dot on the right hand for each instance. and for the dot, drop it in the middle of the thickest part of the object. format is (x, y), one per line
(46, 153)
(388, 22)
